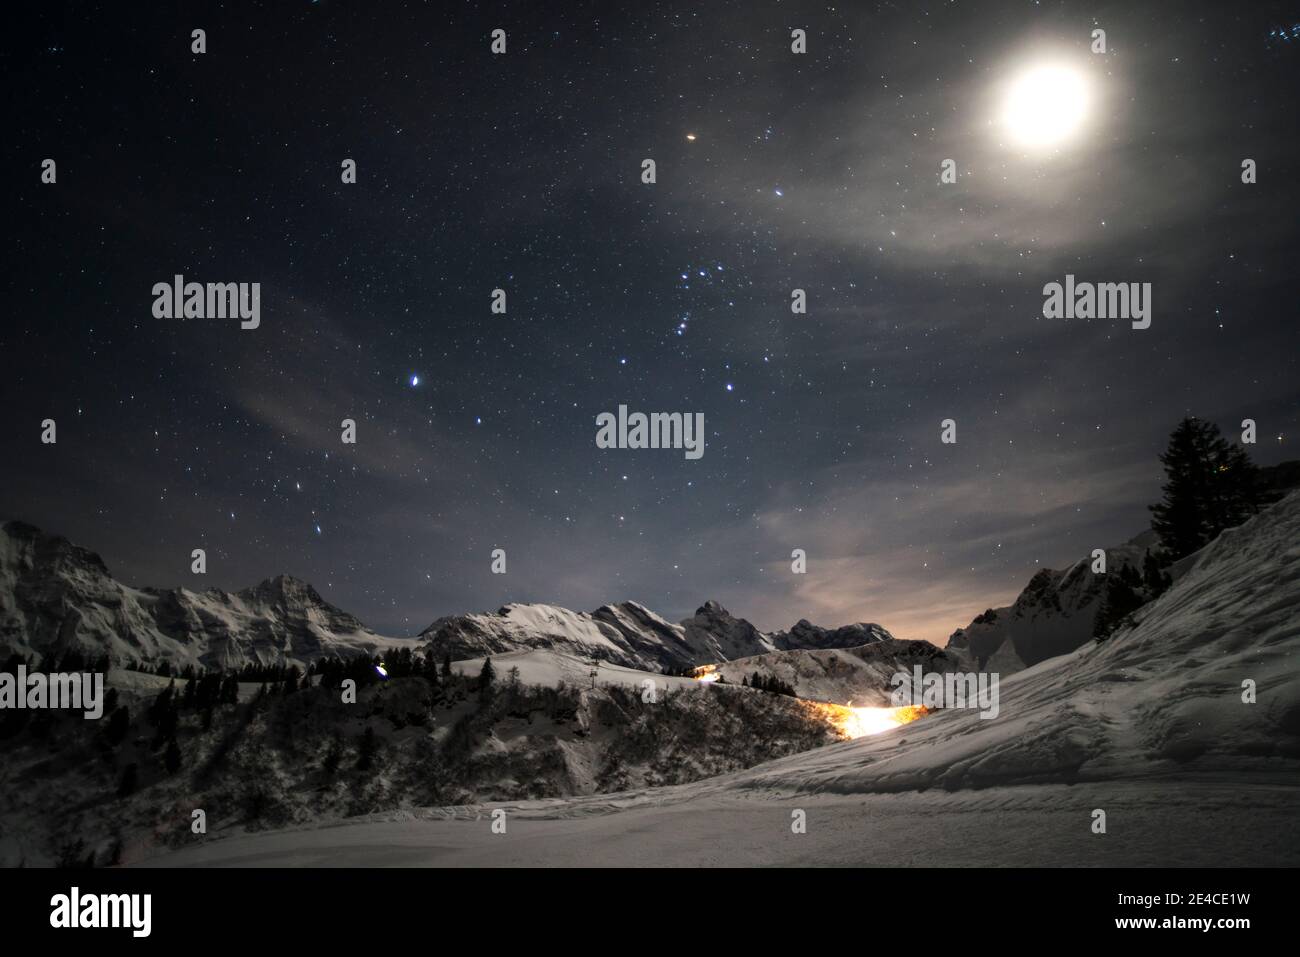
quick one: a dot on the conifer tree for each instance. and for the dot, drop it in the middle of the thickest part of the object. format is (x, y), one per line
(486, 677)
(1211, 486)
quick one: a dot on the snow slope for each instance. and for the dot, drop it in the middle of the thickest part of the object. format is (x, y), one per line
(701, 825)
(1162, 699)
(548, 668)
(859, 674)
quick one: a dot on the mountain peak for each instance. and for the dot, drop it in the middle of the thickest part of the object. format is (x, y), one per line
(285, 588)
(804, 634)
(713, 609)
(41, 547)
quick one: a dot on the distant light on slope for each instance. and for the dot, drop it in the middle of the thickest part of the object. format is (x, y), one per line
(849, 721)
(861, 722)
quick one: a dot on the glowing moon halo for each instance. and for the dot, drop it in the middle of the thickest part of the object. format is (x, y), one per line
(1045, 105)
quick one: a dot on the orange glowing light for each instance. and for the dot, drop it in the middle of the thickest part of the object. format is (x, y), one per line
(853, 722)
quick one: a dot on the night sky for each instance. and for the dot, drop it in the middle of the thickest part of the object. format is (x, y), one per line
(523, 171)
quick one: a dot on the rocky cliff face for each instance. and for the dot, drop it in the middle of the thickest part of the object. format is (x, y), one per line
(56, 597)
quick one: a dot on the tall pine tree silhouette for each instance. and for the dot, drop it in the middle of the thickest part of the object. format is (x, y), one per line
(1211, 486)
(486, 677)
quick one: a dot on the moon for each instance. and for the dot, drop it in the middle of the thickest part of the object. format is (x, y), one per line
(1045, 106)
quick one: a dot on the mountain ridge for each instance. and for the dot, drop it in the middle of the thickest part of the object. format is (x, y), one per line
(631, 635)
(57, 597)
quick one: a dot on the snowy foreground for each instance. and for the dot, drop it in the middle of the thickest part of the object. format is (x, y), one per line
(1149, 727)
(1168, 825)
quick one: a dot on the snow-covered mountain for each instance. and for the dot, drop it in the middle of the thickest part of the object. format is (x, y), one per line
(625, 634)
(1204, 682)
(1054, 614)
(1057, 611)
(56, 596)
(717, 635)
(1184, 727)
(630, 635)
(805, 635)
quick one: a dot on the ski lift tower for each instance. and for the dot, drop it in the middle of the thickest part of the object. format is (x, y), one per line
(595, 668)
